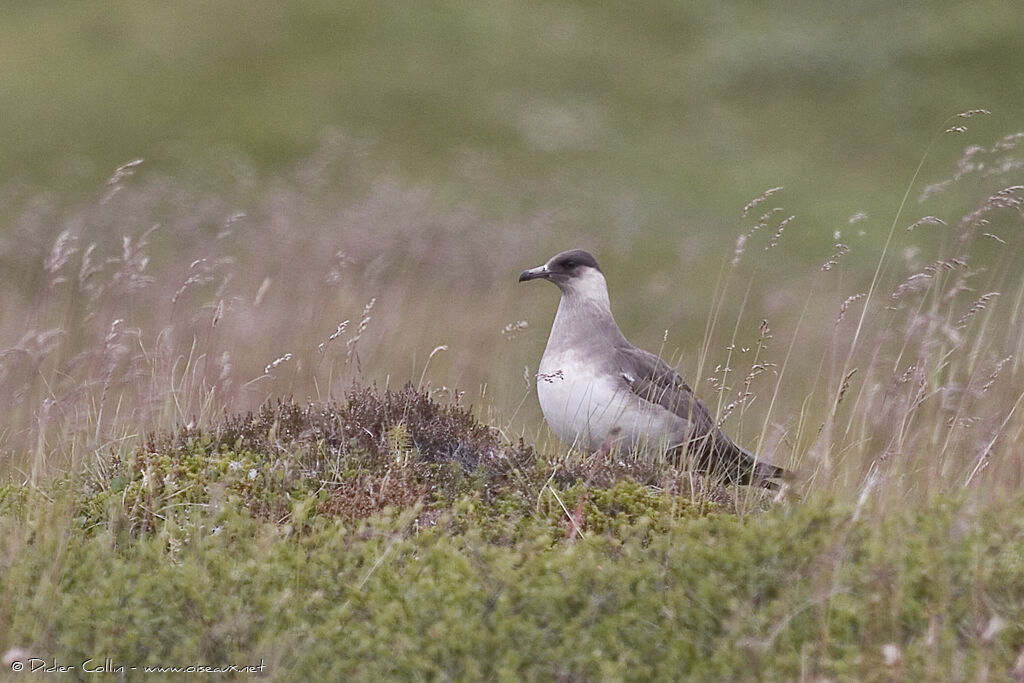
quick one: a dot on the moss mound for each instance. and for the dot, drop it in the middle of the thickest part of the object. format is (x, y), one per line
(389, 536)
(289, 462)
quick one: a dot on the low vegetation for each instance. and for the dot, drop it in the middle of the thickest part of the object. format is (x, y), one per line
(394, 536)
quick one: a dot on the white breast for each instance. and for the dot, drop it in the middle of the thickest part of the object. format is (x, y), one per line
(584, 409)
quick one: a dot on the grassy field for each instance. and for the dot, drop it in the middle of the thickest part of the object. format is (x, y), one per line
(268, 388)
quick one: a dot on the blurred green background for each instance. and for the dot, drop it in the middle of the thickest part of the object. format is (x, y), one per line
(689, 109)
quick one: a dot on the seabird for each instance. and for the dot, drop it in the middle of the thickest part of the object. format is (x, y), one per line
(599, 392)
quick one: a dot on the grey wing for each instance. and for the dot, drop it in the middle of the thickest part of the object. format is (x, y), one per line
(654, 380)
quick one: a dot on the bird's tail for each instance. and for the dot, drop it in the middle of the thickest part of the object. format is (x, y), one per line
(737, 465)
(761, 473)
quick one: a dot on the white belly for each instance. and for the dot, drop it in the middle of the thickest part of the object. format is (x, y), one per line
(589, 411)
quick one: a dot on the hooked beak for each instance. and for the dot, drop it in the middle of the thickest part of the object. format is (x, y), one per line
(534, 273)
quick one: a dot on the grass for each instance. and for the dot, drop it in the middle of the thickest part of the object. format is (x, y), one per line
(290, 419)
(234, 548)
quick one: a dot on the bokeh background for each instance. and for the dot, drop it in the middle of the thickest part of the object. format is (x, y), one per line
(312, 162)
(684, 107)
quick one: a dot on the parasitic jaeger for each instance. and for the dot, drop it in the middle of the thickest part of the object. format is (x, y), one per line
(597, 391)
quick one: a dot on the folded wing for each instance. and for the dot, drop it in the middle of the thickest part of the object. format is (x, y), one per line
(654, 380)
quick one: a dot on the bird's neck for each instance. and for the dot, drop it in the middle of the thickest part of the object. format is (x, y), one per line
(584, 313)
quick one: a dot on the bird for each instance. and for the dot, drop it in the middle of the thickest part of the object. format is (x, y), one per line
(598, 392)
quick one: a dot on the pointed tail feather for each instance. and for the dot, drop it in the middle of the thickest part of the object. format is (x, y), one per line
(737, 465)
(761, 473)
(740, 466)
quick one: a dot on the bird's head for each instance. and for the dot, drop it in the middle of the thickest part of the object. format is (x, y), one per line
(575, 272)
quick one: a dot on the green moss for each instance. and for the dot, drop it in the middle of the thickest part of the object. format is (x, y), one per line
(13, 499)
(421, 561)
(786, 592)
(711, 596)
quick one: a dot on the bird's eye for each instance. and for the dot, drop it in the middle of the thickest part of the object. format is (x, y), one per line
(570, 264)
